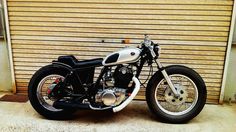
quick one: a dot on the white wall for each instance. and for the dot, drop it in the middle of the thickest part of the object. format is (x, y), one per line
(5, 72)
(230, 89)
(234, 39)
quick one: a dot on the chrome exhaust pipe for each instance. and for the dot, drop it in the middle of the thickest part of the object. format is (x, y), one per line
(62, 104)
(69, 105)
(130, 98)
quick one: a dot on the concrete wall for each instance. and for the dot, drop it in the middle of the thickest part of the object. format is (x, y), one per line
(5, 76)
(234, 39)
(5, 73)
(230, 89)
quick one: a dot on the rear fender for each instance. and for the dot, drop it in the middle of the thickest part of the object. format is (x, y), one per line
(62, 65)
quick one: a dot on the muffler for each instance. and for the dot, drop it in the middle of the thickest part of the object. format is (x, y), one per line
(69, 105)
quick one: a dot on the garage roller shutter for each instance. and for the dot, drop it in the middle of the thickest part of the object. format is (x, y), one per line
(191, 32)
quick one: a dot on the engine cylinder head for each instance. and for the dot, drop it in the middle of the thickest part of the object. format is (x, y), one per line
(122, 76)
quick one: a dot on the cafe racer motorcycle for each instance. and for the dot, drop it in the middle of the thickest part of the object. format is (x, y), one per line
(174, 93)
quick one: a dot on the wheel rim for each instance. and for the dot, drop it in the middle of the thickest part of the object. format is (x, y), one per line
(166, 101)
(42, 96)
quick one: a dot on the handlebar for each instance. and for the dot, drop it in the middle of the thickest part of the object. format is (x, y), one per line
(150, 46)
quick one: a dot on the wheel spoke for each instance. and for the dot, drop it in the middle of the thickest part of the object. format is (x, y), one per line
(176, 106)
(42, 96)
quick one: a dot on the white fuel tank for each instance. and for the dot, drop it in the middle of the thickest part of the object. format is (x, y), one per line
(125, 55)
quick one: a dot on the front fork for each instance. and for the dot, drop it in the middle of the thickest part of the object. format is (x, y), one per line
(169, 82)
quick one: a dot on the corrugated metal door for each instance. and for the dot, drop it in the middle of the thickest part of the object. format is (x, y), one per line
(191, 32)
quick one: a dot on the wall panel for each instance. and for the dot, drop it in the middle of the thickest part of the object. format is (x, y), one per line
(192, 33)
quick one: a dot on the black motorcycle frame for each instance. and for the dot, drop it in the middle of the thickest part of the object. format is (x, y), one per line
(88, 90)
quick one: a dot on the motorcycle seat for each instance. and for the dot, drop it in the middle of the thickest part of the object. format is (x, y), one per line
(73, 62)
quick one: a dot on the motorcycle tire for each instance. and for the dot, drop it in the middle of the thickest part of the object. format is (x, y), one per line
(34, 100)
(170, 117)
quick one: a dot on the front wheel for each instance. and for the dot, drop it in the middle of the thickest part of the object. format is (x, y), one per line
(165, 106)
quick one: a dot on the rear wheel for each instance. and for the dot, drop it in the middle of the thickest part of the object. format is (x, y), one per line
(165, 106)
(39, 85)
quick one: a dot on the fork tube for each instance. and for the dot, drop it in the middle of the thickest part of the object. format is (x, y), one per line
(169, 82)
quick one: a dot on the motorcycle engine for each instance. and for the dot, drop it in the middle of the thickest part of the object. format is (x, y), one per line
(115, 85)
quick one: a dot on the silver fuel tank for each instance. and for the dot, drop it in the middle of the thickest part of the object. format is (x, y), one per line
(125, 55)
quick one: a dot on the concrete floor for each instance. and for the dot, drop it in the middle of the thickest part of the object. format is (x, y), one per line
(136, 117)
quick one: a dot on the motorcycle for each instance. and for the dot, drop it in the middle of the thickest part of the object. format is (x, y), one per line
(174, 93)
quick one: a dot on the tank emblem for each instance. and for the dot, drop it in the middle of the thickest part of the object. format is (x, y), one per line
(132, 53)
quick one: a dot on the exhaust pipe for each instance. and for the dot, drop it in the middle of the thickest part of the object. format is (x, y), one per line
(130, 98)
(66, 104)
(69, 105)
